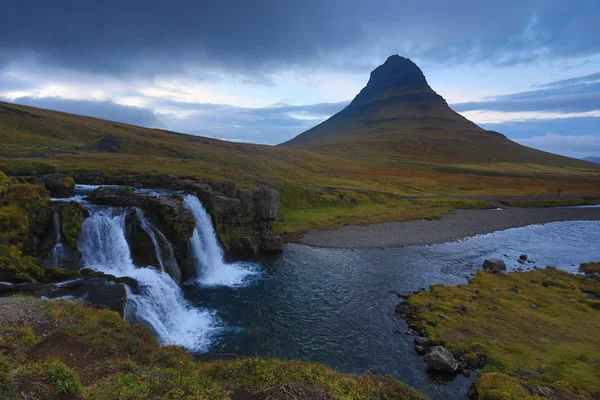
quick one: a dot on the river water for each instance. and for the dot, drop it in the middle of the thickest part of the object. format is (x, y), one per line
(334, 306)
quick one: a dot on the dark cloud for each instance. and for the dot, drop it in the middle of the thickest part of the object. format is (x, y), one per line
(580, 94)
(254, 37)
(98, 109)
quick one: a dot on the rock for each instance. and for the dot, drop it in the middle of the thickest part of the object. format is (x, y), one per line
(97, 289)
(229, 189)
(523, 257)
(140, 243)
(72, 216)
(58, 185)
(442, 360)
(534, 305)
(271, 244)
(266, 203)
(543, 368)
(117, 197)
(595, 277)
(494, 265)
(229, 210)
(462, 309)
(513, 289)
(247, 204)
(529, 374)
(443, 316)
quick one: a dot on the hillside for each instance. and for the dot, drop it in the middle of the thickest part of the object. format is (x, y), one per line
(398, 116)
(318, 191)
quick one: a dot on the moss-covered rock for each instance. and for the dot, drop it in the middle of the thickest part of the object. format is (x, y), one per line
(16, 267)
(57, 184)
(72, 216)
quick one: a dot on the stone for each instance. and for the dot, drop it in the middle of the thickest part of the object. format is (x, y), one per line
(229, 189)
(462, 309)
(266, 203)
(543, 368)
(513, 289)
(494, 265)
(523, 257)
(595, 277)
(247, 203)
(440, 359)
(57, 184)
(271, 244)
(229, 210)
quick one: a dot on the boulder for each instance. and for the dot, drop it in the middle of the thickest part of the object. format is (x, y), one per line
(494, 265)
(141, 245)
(247, 204)
(57, 184)
(440, 359)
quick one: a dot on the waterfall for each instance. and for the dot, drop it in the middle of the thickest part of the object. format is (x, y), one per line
(207, 255)
(164, 250)
(160, 303)
(58, 250)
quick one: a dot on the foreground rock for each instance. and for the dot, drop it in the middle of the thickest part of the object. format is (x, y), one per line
(494, 265)
(440, 359)
(97, 289)
(58, 185)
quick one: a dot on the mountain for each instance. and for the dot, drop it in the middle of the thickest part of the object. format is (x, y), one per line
(399, 116)
(592, 159)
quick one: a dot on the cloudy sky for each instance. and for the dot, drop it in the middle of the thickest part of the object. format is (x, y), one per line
(264, 71)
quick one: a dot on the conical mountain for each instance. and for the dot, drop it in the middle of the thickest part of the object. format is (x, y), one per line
(399, 116)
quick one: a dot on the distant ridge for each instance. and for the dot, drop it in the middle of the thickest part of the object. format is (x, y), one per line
(592, 159)
(397, 115)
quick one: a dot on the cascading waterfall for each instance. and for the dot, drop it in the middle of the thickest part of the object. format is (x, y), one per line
(160, 303)
(164, 251)
(58, 250)
(207, 255)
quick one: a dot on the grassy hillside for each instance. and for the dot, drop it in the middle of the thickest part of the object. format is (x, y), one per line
(398, 116)
(36, 141)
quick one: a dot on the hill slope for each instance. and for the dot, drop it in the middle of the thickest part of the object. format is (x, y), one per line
(397, 115)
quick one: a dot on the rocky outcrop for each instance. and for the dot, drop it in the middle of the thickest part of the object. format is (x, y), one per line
(57, 184)
(167, 213)
(440, 359)
(494, 265)
(243, 219)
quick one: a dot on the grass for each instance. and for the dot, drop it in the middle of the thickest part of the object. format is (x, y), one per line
(549, 203)
(94, 354)
(520, 321)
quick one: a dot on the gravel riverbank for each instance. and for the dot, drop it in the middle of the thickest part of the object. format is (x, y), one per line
(462, 224)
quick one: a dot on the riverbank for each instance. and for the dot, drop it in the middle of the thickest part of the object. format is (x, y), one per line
(461, 224)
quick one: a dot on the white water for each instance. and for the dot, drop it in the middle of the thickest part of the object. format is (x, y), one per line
(207, 255)
(58, 250)
(166, 258)
(160, 303)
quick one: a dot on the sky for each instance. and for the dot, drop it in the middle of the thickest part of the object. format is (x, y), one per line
(264, 71)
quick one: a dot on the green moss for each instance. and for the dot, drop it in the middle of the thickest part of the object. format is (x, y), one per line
(72, 216)
(16, 267)
(546, 320)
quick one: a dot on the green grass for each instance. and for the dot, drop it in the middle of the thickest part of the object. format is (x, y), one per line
(549, 203)
(546, 320)
(95, 355)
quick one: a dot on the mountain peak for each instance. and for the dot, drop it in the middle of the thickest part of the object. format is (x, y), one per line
(398, 79)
